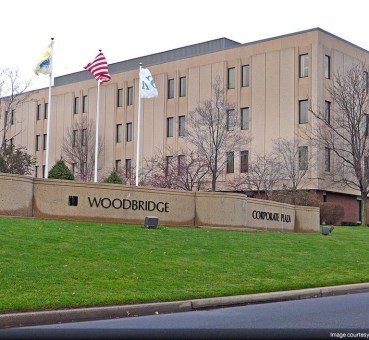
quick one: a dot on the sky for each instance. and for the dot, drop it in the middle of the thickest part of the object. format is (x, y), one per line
(130, 29)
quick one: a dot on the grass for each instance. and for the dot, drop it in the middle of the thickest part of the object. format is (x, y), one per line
(61, 264)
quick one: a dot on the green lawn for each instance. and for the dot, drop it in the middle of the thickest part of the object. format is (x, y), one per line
(55, 264)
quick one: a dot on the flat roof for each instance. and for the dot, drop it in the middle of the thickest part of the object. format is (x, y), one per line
(203, 48)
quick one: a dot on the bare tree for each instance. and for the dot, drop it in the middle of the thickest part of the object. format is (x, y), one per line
(263, 176)
(192, 169)
(342, 128)
(78, 148)
(160, 171)
(295, 159)
(213, 129)
(12, 95)
(184, 171)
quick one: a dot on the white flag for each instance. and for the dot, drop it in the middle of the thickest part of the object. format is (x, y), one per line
(147, 84)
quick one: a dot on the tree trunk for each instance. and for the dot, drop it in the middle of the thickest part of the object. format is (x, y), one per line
(214, 174)
(213, 181)
(364, 209)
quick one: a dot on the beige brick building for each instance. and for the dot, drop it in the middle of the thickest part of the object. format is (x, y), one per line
(270, 81)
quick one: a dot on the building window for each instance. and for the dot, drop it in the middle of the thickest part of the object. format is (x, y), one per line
(230, 162)
(43, 171)
(76, 105)
(168, 161)
(84, 137)
(36, 171)
(46, 110)
(231, 78)
(118, 165)
(38, 142)
(120, 97)
(181, 164)
(327, 112)
(84, 104)
(75, 138)
(130, 96)
(129, 133)
(170, 88)
(84, 169)
(45, 141)
(327, 159)
(303, 111)
(11, 141)
(38, 114)
(366, 78)
(304, 65)
(119, 133)
(128, 168)
(170, 127)
(74, 168)
(181, 125)
(303, 157)
(327, 67)
(230, 120)
(245, 82)
(244, 118)
(182, 87)
(244, 161)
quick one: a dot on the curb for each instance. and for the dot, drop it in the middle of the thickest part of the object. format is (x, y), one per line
(111, 312)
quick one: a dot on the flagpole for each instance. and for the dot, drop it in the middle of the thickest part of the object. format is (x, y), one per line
(138, 128)
(97, 128)
(49, 113)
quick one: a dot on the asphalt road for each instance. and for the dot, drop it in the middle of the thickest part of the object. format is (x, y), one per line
(341, 316)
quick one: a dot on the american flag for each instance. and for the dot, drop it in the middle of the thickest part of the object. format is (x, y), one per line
(99, 68)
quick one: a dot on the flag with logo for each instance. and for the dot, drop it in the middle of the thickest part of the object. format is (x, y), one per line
(44, 65)
(99, 68)
(147, 84)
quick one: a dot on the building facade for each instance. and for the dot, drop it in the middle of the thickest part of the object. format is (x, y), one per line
(270, 82)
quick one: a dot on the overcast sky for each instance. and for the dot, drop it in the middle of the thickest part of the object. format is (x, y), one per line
(126, 29)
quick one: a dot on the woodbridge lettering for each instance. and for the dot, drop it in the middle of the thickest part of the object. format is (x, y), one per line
(126, 204)
(269, 216)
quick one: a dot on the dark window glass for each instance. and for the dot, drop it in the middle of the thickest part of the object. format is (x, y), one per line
(38, 114)
(45, 141)
(231, 78)
(327, 112)
(245, 76)
(120, 97)
(170, 88)
(303, 111)
(85, 104)
(304, 65)
(119, 133)
(182, 87)
(230, 120)
(230, 162)
(244, 161)
(303, 157)
(38, 142)
(76, 105)
(170, 127)
(130, 96)
(181, 125)
(327, 159)
(245, 118)
(327, 67)
(129, 134)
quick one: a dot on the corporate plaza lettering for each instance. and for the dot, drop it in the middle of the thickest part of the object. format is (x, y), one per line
(126, 204)
(269, 216)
